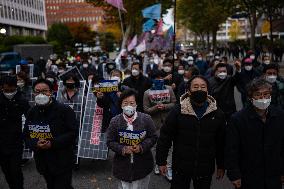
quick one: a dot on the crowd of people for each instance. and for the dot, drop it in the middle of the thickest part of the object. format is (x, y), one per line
(179, 108)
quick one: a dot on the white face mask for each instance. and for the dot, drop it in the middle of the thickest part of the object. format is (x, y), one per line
(261, 104)
(266, 62)
(129, 110)
(156, 61)
(199, 58)
(10, 95)
(248, 68)
(115, 78)
(42, 99)
(222, 75)
(85, 65)
(252, 57)
(180, 72)
(20, 84)
(271, 78)
(185, 80)
(190, 62)
(135, 72)
(167, 69)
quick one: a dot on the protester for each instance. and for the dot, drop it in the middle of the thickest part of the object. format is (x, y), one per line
(138, 82)
(12, 107)
(254, 144)
(158, 101)
(222, 87)
(271, 75)
(193, 71)
(133, 160)
(50, 131)
(196, 128)
(248, 73)
(201, 64)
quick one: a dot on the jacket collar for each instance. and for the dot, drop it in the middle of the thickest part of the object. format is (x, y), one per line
(187, 109)
(272, 111)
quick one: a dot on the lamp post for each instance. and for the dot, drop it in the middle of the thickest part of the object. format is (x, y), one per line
(174, 37)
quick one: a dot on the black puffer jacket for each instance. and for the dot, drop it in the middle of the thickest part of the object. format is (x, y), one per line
(11, 112)
(197, 143)
(254, 149)
(64, 129)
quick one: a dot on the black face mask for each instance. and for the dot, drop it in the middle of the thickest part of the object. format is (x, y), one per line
(199, 96)
(70, 85)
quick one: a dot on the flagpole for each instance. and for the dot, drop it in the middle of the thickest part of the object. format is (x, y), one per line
(121, 24)
(174, 37)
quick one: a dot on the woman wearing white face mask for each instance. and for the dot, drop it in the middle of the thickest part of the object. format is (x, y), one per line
(254, 141)
(50, 131)
(131, 135)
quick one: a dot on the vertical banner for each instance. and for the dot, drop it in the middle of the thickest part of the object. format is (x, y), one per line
(92, 142)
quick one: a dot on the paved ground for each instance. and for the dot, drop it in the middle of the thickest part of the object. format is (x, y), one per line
(95, 175)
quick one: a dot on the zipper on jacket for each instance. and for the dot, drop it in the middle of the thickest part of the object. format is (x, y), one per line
(197, 146)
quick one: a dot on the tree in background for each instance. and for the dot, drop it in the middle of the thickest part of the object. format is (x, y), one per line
(60, 37)
(204, 16)
(81, 32)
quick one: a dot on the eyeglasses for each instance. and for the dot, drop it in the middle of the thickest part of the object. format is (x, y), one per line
(258, 95)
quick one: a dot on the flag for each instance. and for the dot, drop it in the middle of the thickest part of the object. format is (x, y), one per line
(159, 30)
(153, 12)
(116, 3)
(132, 44)
(141, 47)
(170, 32)
(149, 25)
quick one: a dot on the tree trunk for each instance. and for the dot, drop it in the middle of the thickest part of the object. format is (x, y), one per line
(271, 30)
(214, 39)
(253, 23)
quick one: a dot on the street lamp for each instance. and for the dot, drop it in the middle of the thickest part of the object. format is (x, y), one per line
(3, 31)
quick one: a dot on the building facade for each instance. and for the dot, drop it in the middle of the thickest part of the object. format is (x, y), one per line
(23, 17)
(70, 11)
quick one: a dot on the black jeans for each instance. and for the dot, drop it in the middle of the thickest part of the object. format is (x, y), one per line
(181, 181)
(62, 181)
(11, 167)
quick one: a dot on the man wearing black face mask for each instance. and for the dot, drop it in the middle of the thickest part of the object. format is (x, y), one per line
(196, 128)
(12, 106)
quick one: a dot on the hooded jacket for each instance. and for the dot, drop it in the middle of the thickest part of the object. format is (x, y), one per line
(197, 143)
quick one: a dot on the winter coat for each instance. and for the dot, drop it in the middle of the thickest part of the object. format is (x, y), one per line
(197, 143)
(57, 122)
(143, 162)
(254, 149)
(151, 100)
(11, 111)
(223, 92)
